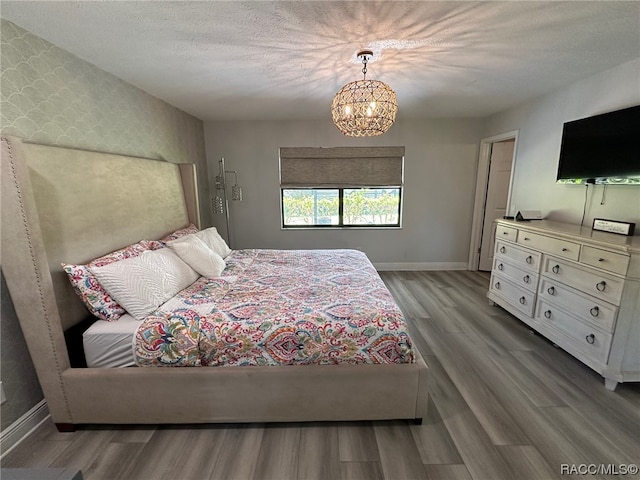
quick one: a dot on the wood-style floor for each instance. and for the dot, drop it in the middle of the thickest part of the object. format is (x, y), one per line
(504, 404)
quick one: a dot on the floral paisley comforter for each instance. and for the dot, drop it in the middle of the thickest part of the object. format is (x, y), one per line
(279, 307)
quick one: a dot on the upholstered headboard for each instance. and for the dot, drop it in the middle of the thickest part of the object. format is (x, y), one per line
(66, 205)
(69, 205)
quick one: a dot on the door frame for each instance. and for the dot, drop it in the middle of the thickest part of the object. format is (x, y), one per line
(482, 180)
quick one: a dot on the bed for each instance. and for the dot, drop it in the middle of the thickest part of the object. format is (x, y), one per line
(62, 205)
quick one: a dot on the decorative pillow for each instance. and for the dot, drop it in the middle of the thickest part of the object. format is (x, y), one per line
(143, 283)
(198, 256)
(188, 230)
(87, 287)
(155, 244)
(214, 241)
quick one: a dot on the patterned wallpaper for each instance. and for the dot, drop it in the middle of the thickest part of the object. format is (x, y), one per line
(49, 96)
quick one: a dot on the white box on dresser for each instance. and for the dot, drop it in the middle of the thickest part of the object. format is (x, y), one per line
(578, 287)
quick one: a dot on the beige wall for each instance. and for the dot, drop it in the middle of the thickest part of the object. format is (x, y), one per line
(440, 171)
(540, 124)
(49, 96)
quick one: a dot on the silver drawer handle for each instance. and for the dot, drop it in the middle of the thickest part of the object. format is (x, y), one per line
(601, 259)
(591, 338)
(523, 300)
(526, 238)
(529, 260)
(497, 285)
(556, 269)
(501, 267)
(526, 279)
(565, 249)
(547, 314)
(505, 233)
(595, 311)
(503, 250)
(551, 290)
(601, 286)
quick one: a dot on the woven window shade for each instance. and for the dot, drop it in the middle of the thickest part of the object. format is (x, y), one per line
(341, 167)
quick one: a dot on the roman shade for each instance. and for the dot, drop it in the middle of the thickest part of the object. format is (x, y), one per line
(341, 167)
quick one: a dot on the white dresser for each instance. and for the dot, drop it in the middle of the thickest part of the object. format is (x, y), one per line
(578, 287)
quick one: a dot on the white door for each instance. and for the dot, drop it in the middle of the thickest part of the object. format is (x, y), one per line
(496, 198)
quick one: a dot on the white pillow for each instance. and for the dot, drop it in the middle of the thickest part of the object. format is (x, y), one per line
(214, 241)
(198, 256)
(143, 283)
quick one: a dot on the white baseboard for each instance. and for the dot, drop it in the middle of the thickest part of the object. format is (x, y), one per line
(21, 428)
(415, 266)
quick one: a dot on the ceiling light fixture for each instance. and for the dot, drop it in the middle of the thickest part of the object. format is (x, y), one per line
(364, 108)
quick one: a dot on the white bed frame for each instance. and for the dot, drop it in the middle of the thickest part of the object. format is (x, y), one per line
(61, 204)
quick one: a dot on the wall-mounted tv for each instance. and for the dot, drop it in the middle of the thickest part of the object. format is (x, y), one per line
(602, 149)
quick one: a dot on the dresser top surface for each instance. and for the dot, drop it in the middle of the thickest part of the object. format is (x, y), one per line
(578, 233)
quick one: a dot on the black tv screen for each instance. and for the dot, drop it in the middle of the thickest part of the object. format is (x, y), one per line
(602, 149)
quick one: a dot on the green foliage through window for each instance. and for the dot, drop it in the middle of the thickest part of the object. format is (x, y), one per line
(317, 207)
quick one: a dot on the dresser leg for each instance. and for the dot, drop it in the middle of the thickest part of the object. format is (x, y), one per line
(610, 384)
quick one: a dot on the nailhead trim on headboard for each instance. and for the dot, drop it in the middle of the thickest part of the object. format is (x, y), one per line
(36, 270)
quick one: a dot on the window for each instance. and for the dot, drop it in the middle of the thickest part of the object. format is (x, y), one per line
(342, 207)
(372, 206)
(341, 187)
(314, 207)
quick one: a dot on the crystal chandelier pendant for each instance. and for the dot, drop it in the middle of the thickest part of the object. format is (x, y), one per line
(364, 108)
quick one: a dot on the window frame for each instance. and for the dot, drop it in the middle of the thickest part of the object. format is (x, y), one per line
(341, 225)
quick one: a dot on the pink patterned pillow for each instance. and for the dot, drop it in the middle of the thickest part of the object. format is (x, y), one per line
(87, 287)
(191, 228)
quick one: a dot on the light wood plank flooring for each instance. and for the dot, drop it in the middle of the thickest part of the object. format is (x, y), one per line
(504, 404)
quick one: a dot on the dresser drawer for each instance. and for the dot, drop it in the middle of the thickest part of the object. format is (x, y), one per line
(518, 255)
(592, 282)
(506, 233)
(520, 276)
(612, 262)
(590, 341)
(562, 248)
(523, 300)
(590, 309)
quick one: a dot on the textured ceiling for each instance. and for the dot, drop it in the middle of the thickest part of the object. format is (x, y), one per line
(285, 60)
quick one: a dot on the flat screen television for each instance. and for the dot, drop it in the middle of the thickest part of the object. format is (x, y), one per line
(602, 149)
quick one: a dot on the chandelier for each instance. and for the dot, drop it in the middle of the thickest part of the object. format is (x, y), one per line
(364, 108)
